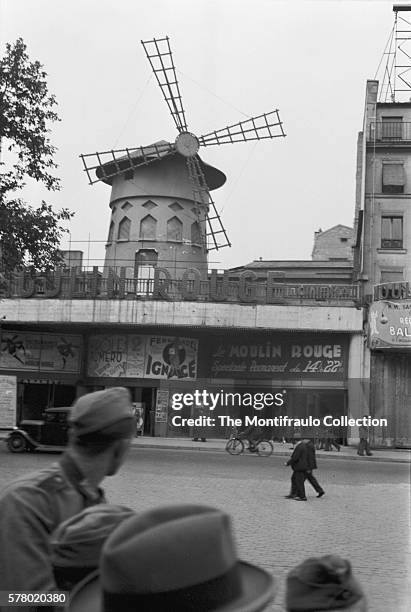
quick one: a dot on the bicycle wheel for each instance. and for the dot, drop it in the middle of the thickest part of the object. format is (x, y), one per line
(234, 446)
(265, 448)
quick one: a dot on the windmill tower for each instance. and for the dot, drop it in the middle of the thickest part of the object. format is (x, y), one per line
(162, 212)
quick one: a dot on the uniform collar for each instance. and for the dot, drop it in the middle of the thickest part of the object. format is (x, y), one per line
(92, 494)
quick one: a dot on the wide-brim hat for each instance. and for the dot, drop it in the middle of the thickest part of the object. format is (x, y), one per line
(178, 558)
(323, 583)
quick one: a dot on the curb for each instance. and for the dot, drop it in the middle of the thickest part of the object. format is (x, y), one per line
(339, 456)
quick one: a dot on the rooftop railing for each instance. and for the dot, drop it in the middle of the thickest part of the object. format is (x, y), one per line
(389, 131)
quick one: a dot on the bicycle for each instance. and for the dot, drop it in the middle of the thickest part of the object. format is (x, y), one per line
(237, 445)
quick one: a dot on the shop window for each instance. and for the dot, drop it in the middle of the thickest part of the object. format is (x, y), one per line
(124, 229)
(391, 232)
(393, 179)
(391, 128)
(148, 227)
(174, 229)
(196, 233)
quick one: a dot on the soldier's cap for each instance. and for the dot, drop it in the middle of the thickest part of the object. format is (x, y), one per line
(324, 583)
(179, 558)
(77, 542)
(108, 411)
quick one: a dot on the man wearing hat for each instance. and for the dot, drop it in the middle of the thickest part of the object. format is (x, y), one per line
(102, 425)
(178, 559)
(324, 583)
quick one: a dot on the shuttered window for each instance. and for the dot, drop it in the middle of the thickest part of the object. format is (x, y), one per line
(393, 178)
(391, 232)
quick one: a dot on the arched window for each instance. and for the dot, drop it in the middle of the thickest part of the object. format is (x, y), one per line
(196, 233)
(174, 229)
(111, 232)
(124, 229)
(148, 226)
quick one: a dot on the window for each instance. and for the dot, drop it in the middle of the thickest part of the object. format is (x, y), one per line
(196, 233)
(145, 263)
(126, 206)
(391, 128)
(391, 232)
(393, 179)
(344, 239)
(391, 276)
(111, 232)
(124, 229)
(174, 229)
(148, 227)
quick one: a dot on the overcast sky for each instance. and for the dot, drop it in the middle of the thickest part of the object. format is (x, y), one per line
(234, 59)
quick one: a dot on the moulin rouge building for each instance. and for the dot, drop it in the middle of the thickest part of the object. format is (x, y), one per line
(156, 320)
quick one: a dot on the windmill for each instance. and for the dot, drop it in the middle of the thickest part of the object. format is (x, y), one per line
(108, 165)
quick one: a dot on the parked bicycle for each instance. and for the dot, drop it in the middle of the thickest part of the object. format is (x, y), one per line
(237, 445)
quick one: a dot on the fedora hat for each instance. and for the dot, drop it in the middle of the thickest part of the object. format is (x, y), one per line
(178, 558)
(324, 583)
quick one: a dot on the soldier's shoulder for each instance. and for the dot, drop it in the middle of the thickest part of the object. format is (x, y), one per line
(49, 479)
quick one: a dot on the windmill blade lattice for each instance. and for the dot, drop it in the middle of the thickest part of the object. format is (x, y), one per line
(159, 55)
(267, 125)
(108, 164)
(216, 236)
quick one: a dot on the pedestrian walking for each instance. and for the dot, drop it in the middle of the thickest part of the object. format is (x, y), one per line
(299, 465)
(31, 508)
(174, 558)
(364, 445)
(325, 583)
(200, 430)
(312, 465)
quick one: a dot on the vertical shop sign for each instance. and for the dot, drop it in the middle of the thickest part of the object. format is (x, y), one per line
(8, 401)
(162, 405)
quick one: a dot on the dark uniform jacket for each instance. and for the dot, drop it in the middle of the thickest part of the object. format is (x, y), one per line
(30, 509)
(311, 458)
(298, 460)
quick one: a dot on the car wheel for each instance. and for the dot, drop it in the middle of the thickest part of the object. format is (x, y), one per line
(16, 443)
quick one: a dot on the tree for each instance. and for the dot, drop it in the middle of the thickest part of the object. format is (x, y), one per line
(28, 235)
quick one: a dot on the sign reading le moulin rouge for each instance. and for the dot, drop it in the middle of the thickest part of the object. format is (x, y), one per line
(390, 324)
(139, 356)
(279, 357)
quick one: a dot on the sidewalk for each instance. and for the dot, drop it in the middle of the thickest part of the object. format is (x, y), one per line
(281, 450)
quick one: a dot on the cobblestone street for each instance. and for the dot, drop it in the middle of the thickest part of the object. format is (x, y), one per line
(364, 515)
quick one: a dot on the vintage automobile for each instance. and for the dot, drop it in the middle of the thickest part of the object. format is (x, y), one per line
(49, 433)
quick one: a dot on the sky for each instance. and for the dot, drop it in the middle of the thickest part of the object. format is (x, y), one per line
(234, 59)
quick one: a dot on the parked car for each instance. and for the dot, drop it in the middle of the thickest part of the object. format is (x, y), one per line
(49, 433)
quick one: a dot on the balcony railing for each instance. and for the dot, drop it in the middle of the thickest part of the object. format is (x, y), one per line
(78, 284)
(389, 131)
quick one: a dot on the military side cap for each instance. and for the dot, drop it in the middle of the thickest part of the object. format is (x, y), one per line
(77, 542)
(324, 583)
(98, 411)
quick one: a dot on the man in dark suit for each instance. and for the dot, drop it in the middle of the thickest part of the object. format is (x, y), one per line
(299, 464)
(312, 465)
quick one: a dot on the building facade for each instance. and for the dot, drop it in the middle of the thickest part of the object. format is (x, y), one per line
(382, 259)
